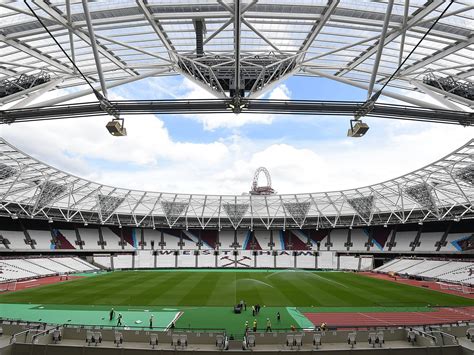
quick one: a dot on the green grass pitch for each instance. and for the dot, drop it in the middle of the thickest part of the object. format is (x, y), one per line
(275, 288)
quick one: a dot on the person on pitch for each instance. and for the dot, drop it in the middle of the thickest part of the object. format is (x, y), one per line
(119, 320)
(269, 325)
(111, 314)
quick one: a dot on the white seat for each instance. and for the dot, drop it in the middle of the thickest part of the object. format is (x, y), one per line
(175, 340)
(250, 341)
(372, 338)
(380, 338)
(470, 334)
(183, 339)
(411, 337)
(153, 340)
(93, 337)
(351, 339)
(56, 336)
(290, 340)
(299, 340)
(317, 340)
(118, 338)
(220, 341)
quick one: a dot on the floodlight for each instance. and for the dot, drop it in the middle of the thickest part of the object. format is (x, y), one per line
(116, 127)
(358, 129)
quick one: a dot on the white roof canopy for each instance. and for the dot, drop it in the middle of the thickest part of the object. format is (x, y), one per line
(443, 190)
(359, 43)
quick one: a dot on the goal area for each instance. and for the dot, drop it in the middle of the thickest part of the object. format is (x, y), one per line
(6, 286)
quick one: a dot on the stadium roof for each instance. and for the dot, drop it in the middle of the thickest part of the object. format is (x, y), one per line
(443, 190)
(355, 42)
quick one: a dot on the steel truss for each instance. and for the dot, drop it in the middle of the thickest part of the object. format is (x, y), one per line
(248, 105)
(238, 48)
(443, 190)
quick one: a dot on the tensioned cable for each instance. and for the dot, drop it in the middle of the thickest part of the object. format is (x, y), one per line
(62, 49)
(377, 94)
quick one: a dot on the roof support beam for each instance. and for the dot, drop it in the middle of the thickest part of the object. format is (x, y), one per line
(392, 34)
(69, 30)
(392, 95)
(20, 94)
(433, 91)
(332, 4)
(404, 32)
(76, 95)
(49, 85)
(55, 15)
(437, 56)
(36, 54)
(237, 24)
(94, 47)
(383, 34)
(157, 28)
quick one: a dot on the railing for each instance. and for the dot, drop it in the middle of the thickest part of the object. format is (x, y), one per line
(443, 335)
(14, 337)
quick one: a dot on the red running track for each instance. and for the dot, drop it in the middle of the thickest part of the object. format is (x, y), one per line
(21, 285)
(441, 315)
(432, 285)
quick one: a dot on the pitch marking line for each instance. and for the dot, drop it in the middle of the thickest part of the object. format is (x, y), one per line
(328, 280)
(376, 319)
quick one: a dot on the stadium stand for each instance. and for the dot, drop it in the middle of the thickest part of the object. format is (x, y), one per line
(90, 238)
(34, 267)
(103, 260)
(338, 239)
(359, 239)
(111, 240)
(226, 238)
(440, 270)
(152, 239)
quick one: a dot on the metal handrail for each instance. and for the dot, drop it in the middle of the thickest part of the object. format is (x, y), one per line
(26, 332)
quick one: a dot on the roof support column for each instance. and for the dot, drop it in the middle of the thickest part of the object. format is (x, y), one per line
(381, 43)
(90, 28)
(237, 23)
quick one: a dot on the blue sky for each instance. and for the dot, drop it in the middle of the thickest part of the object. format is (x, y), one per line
(219, 153)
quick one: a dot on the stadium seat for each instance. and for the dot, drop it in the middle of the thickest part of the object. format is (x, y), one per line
(221, 342)
(411, 337)
(376, 339)
(56, 336)
(175, 340)
(351, 339)
(372, 338)
(249, 341)
(290, 340)
(183, 340)
(317, 340)
(93, 338)
(118, 338)
(299, 340)
(380, 338)
(470, 334)
(153, 340)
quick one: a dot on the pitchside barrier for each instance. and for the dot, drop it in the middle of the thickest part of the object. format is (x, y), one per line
(284, 259)
(6, 286)
(461, 287)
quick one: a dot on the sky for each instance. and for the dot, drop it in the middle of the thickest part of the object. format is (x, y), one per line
(219, 153)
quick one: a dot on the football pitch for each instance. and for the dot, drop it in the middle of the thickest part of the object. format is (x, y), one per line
(204, 298)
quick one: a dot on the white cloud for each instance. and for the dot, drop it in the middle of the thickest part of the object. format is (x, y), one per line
(149, 158)
(212, 122)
